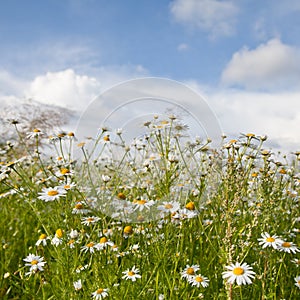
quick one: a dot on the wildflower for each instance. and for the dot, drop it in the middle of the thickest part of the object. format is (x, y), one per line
(242, 274)
(103, 243)
(288, 247)
(77, 285)
(81, 268)
(71, 243)
(35, 133)
(190, 206)
(189, 271)
(42, 240)
(198, 280)
(68, 186)
(35, 262)
(51, 194)
(127, 231)
(64, 172)
(88, 247)
(132, 274)
(106, 178)
(100, 294)
(79, 208)
(141, 204)
(297, 279)
(57, 240)
(73, 234)
(89, 220)
(269, 241)
(169, 207)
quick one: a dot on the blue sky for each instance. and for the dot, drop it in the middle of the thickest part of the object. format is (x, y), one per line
(242, 55)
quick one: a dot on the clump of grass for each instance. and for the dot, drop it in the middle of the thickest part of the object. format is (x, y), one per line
(165, 217)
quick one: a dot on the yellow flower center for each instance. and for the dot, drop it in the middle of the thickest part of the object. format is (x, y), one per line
(286, 245)
(106, 138)
(141, 202)
(36, 130)
(70, 242)
(90, 219)
(128, 230)
(67, 187)
(131, 273)
(59, 233)
(64, 171)
(270, 240)
(90, 245)
(190, 271)
(121, 196)
(103, 240)
(42, 236)
(34, 262)
(198, 278)
(78, 206)
(238, 271)
(168, 206)
(250, 135)
(52, 193)
(100, 291)
(190, 206)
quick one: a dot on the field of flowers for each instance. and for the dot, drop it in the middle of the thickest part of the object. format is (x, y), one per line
(163, 217)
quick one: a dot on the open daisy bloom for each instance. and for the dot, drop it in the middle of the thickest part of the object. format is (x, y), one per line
(189, 272)
(242, 274)
(132, 274)
(288, 247)
(51, 194)
(269, 241)
(35, 262)
(198, 280)
(100, 294)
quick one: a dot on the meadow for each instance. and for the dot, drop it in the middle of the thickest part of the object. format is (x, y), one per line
(165, 216)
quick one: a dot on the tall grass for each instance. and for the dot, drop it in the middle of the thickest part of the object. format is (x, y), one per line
(165, 204)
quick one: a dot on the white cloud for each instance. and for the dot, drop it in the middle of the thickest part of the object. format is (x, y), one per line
(273, 65)
(182, 47)
(64, 88)
(215, 17)
(275, 114)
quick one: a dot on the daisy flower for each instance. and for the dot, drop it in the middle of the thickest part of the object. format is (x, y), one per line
(35, 262)
(89, 220)
(64, 172)
(90, 247)
(35, 133)
(100, 294)
(189, 271)
(42, 240)
(297, 283)
(169, 207)
(79, 208)
(269, 241)
(142, 204)
(242, 274)
(132, 274)
(198, 280)
(57, 240)
(288, 247)
(51, 194)
(103, 243)
(77, 285)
